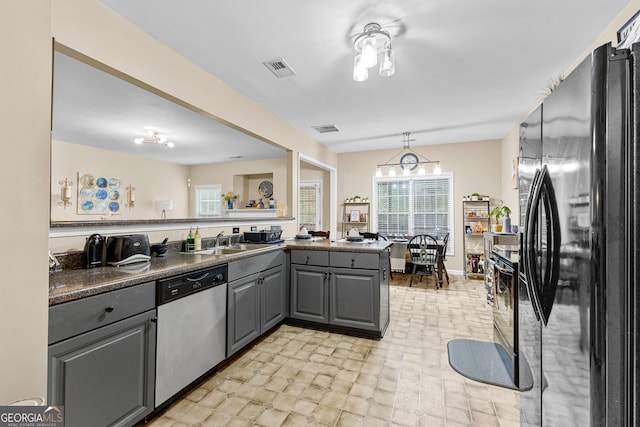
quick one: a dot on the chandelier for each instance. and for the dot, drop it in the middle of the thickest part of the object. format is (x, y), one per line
(154, 138)
(408, 161)
(368, 43)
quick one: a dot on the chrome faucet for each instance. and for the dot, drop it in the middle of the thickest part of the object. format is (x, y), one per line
(218, 238)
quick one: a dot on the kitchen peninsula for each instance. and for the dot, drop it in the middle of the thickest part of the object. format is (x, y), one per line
(106, 314)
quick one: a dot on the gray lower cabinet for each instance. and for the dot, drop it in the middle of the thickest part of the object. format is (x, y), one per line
(346, 289)
(101, 358)
(309, 293)
(257, 298)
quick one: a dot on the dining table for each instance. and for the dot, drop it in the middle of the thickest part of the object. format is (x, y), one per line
(399, 250)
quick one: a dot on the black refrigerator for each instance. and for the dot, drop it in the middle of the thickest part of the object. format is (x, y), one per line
(578, 191)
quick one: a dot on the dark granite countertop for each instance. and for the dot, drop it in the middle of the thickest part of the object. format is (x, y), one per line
(69, 285)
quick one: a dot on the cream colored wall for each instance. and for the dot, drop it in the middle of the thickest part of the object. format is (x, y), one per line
(474, 166)
(25, 81)
(152, 179)
(510, 141)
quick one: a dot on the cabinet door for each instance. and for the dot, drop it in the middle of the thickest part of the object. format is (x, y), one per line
(106, 376)
(243, 312)
(354, 298)
(274, 297)
(309, 293)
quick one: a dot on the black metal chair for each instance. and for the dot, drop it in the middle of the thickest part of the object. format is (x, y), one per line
(423, 250)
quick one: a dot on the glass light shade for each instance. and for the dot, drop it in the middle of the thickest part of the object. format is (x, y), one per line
(421, 170)
(139, 140)
(378, 172)
(360, 72)
(392, 171)
(437, 169)
(388, 64)
(369, 52)
(170, 144)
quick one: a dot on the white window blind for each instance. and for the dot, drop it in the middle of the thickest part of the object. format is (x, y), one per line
(309, 207)
(208, 200)
(417, 205)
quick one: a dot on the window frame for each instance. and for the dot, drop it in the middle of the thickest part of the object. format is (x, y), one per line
(198, 202)
(411, 179)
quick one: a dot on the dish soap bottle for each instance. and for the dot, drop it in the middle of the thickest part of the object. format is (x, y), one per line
(190, 240)
(197, 241)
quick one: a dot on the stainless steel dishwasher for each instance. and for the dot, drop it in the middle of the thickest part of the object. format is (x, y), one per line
(191, 328)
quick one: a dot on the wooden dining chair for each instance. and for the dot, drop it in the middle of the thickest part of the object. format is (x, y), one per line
(377, 236)
(443, 254)
(324, 234)
(423, 251)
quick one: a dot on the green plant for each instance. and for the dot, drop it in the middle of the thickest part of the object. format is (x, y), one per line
(499, 211)
(475, 194)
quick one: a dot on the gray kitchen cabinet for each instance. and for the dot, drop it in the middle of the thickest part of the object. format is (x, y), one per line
(257, 298)
(309, 293)
(101, 358)
(344, 289)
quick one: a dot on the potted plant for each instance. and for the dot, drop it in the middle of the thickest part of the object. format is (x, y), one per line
(474, 196)
(499, 211)
(230, 198)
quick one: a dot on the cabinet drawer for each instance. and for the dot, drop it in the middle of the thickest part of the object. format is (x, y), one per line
(75, 317)
(255, 264)
(305, 257)
(355, 260)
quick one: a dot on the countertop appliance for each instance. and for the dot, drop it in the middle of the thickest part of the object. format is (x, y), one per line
(94, 251)
(192, 328)
(578, 190)
(129, 249)
(263, 236)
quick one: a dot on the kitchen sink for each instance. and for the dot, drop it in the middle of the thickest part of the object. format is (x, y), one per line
(230, 250)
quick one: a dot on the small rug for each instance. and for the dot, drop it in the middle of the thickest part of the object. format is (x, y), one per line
(486, 362)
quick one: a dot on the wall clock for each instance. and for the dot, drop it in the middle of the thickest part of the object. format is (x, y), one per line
(409, 161)
(265, 189)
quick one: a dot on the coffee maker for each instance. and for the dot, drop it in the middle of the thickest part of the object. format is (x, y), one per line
(95, 251)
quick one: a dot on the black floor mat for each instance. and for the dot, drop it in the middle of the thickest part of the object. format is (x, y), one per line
(486, 362)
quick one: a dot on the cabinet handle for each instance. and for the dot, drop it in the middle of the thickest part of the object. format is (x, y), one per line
(109, 309)
(154, 320)
(353, 263)
(307, 262)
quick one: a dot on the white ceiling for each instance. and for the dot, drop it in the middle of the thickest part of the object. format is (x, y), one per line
(466, 70)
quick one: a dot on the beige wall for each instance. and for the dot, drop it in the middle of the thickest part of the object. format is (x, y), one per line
(25, 80)
(152, 179)
(475, 168)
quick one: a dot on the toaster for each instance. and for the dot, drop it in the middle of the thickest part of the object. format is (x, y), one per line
(129, 249)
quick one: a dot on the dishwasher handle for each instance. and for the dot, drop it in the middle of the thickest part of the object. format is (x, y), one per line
(197, 279)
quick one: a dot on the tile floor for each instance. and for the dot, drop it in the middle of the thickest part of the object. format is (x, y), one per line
(300, 377)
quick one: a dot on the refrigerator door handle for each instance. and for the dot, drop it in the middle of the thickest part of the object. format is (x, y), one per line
(533, 280)
(552, 272)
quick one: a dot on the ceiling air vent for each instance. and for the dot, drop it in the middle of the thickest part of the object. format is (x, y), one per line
(279, 68)
(326, 128)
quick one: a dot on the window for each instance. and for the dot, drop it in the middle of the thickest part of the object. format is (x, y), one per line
(208, 200)
(310, 205)
(419, 205)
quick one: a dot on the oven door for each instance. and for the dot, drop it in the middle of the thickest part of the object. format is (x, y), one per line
(504, 305)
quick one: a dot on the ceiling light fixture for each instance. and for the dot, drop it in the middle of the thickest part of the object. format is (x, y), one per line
(154, 138)
(409, 160)
(368, 43)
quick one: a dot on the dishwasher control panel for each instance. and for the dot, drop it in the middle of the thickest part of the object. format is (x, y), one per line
(186, 284)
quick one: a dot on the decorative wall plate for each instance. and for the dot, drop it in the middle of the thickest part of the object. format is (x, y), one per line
(265, 189)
